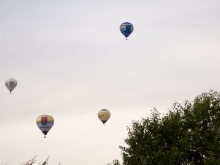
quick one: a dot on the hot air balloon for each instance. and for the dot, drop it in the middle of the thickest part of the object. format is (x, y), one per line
(45, 123)
(126, 29)
(104, 115)
(11, 83)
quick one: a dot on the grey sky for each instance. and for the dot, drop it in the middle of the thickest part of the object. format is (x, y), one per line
(70, 61)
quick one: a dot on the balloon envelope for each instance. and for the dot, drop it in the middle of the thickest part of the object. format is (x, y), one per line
(11, 83)
(45, 123)
(104, 115)
(126, 29)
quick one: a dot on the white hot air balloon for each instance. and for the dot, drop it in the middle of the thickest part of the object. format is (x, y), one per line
(11, 83)
(104, 115)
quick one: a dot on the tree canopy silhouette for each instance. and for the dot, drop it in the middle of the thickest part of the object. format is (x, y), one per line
(187, 134)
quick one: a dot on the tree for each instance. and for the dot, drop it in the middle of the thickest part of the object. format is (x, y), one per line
(187, 134)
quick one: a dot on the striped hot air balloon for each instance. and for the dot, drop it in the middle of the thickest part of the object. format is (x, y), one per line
(45, 123)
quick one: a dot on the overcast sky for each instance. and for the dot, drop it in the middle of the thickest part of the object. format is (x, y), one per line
(70, 61)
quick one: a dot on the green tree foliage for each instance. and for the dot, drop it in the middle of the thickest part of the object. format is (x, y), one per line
(187, 135)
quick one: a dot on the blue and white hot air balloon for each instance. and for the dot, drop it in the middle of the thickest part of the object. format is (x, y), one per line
(126, 29)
